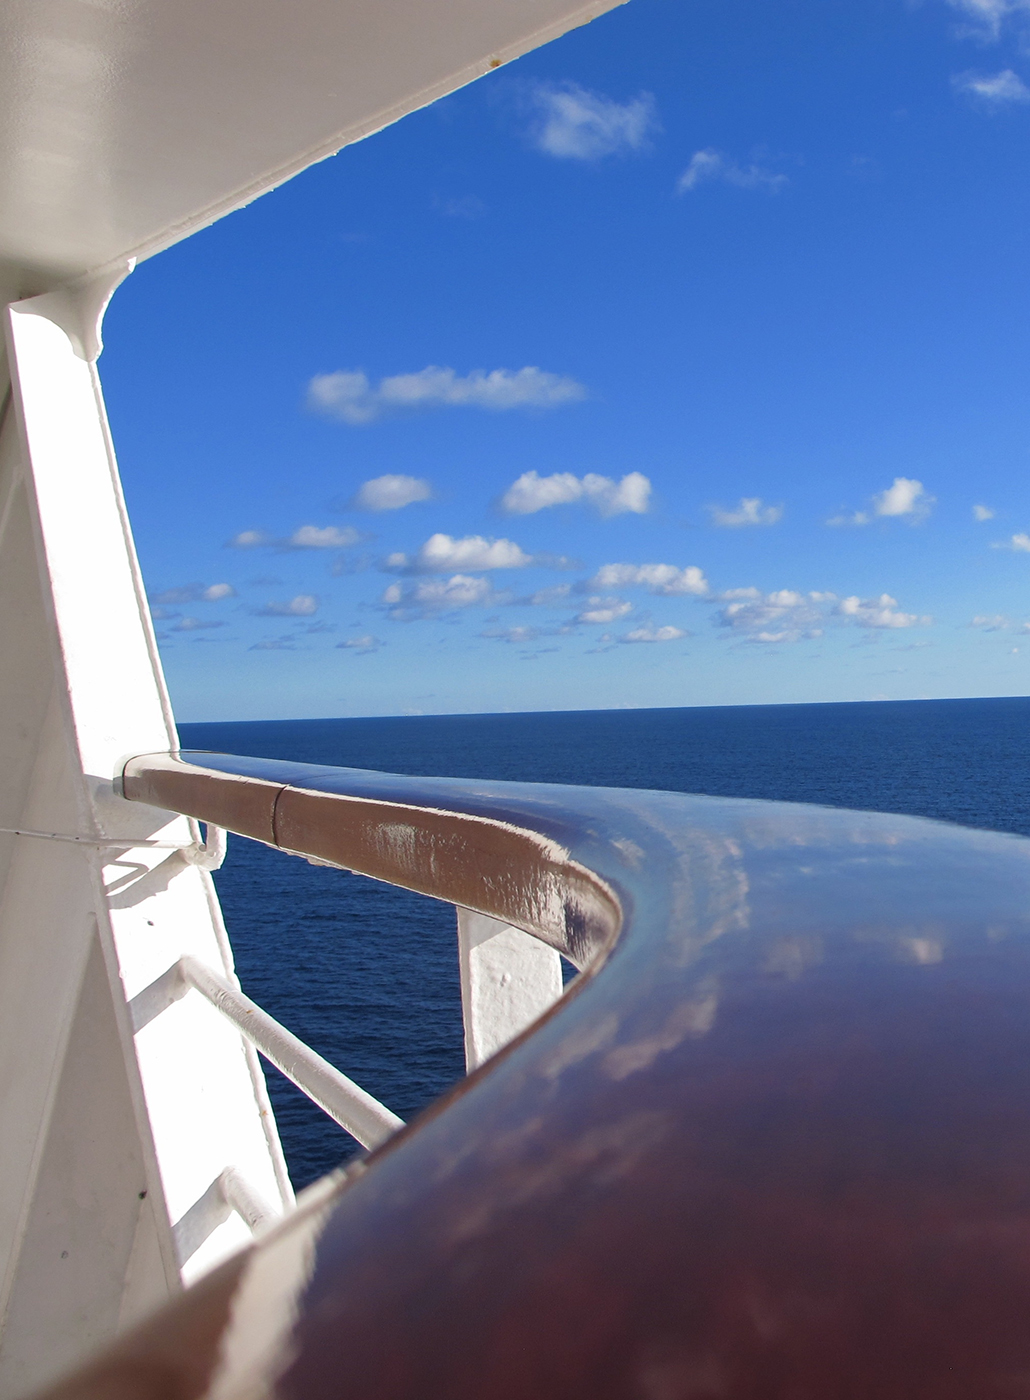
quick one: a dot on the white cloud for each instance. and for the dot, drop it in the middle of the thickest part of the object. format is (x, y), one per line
(517, 635)
(997, 623)
(789, 616)
(286, 643)
(304, 537)
(654, 634)
(194, 624)
(603, 610)
(879, 612)
(710, 164)
(196, 593)
(251, 539)
(363, 645)
(751, 511)
(531, 493)
(574, 124)
(988, 16)
(781, 616)
(982, 513)
(303, 605)
(993, 89)
(1020, 543)
(658, 578)
(350, 396)
(409, 602)
(905, 497)
(441, 553)
(554, 597)
(391, 492)
(323, 537)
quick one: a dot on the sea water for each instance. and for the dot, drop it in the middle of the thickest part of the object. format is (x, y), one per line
(367, 974)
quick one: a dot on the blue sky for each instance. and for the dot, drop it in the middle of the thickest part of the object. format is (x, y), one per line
(682, 362)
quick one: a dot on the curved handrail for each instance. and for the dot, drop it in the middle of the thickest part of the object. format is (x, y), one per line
(779, 1147)
(436, 836)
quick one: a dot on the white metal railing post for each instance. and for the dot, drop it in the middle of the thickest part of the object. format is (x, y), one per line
(508, 979)
(364, 1117)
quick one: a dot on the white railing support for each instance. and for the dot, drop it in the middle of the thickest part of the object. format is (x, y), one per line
(230, 1191)
(357, 1112)
(508, 979)
(210, 853)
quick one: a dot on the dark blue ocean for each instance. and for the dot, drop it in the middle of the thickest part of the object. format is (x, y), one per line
(367, 974)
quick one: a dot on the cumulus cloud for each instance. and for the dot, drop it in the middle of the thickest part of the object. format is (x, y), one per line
(323, 537)
(997, 623)
(196, 593)
(431, 597)
(391, 492)
(554, 597)
(993, 90)
(603, 610)
(286, 643)
(982, 513)
(654, 634)
(781, 616)
(304, 537)
(988, 16)
(751, 511)
(657, 578)
(1020, 543)
(904, 498)
(362, 645)
(710, 164)
(516, 635)
(303, 605)
(441, 553)
(350, 396)
(571, 123)
(194, 624)
(881, 612)
(530, 493)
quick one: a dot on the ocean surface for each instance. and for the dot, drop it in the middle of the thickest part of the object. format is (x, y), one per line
(367, 974)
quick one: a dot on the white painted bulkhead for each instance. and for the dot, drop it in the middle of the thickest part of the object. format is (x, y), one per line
(108, 1139)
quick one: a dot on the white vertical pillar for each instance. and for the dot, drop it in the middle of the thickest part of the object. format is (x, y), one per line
(106, 1139)
(508, 979)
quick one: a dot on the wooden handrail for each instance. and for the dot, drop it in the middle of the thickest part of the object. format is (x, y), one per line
(778, 1147)
(392, 830)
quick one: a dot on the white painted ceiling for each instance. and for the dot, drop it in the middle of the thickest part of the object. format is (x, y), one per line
(126, 125)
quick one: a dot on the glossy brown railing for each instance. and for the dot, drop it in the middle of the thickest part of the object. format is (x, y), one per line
(778, 1147)
(473, 858)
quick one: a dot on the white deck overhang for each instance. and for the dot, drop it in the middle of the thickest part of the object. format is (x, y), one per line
(126, 125)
